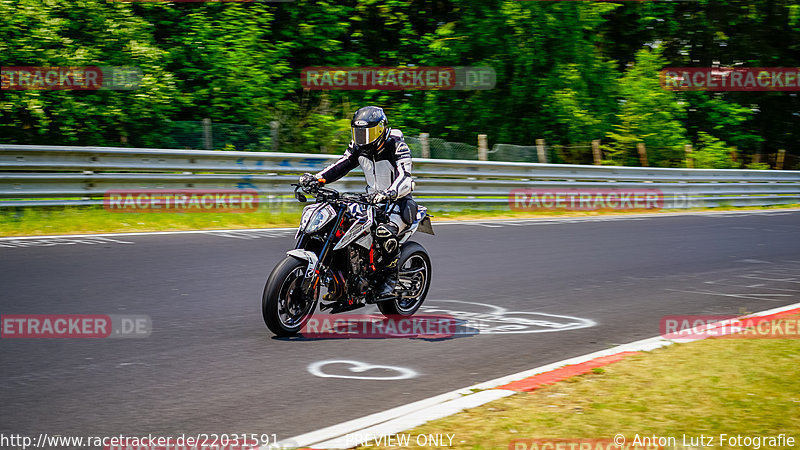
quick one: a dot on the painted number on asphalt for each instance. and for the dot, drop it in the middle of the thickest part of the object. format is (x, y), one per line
(357, 370)
(480, 318)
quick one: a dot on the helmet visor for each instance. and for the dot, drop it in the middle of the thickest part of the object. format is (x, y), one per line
(363, 136)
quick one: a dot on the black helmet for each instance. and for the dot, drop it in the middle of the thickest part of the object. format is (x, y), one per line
(370, 128)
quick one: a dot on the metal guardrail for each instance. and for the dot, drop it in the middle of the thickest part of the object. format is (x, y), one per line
(57, 175)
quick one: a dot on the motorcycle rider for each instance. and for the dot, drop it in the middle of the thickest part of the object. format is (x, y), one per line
(386, 161)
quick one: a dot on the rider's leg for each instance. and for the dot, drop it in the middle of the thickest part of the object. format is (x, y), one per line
(386, 236)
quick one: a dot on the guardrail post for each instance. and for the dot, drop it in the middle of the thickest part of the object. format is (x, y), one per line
(598, 155)
(540, 154)
(689, 159)
(642, 153)
(274, 130)
(781, 156)
(426, 144)
(483, 147)
(207, 142)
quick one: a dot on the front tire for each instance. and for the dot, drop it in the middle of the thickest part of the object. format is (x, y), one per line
(283, 305)
(414, 267)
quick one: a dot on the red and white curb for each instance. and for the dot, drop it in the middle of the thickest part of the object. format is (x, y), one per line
(390, 422)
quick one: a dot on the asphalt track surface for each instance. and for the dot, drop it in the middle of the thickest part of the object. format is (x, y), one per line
(211, 366)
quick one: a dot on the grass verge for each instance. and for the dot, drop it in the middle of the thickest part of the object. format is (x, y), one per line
(89, 220)
(476, 214)
(746, 387)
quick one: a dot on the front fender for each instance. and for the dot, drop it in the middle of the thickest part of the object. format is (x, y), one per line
(311, 257)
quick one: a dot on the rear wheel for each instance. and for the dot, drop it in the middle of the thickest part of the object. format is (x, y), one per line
(284, 306)
(414, 280)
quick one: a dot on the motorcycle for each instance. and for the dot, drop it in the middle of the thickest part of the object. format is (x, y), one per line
(335, 253)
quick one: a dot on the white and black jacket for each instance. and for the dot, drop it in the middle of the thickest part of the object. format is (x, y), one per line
(390, 169)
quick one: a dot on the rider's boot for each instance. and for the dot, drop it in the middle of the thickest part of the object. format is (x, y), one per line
(386, 235)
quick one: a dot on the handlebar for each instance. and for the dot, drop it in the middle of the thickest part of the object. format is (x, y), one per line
(332, 195)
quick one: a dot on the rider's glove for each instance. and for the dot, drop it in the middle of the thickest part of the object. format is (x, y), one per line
(382, 196)
(308, 181)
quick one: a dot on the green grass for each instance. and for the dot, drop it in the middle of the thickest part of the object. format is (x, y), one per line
(87, 220)
(733, 386)
(474, 213)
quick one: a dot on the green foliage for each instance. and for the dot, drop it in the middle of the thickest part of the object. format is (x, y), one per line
(713, 153)
(82, 33)
(567, 72)
(726, 119)
(757, 166)
(648, 114)
(325, 134)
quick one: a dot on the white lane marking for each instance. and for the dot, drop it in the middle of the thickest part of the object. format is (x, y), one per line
(722, 294)
(775, 212)
(493, 319)
(778, 271)
(140, 233)
(49, 242)
(253, 234)
(780, 280)
(482, 224)
(754, 286)
(396, 419)
(773, 273)
(400, 373)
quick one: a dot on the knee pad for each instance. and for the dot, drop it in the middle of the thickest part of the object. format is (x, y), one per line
(386, 231)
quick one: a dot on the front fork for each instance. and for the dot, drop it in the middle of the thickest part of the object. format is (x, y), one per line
(317, 267)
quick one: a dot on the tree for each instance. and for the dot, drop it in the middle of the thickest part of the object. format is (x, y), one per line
(648, 114)
(712, 153)
(84, 33)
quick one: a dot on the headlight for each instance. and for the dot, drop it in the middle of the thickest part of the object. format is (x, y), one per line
(319, 219)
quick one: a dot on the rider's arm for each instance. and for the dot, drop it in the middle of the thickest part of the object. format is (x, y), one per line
(346, 163)
(403, 184)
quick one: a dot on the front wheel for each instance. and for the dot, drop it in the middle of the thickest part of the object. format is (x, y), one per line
(284, 306)
(414, 280)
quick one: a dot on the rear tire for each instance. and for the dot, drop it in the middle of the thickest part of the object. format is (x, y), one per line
(414, 267)
(284, 309)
